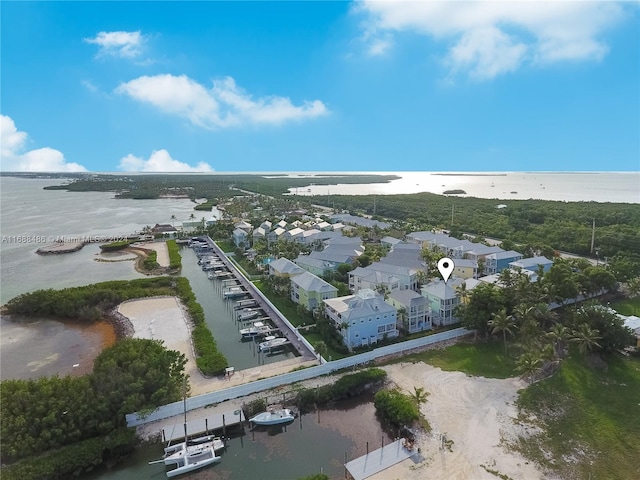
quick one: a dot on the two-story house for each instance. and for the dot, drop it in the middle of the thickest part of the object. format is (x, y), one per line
(532, 264)
(414, 311)
(496, 262)
(443, 299)
(464, 268)
(283, 267)
(310, 291)
(240, 237)
(362, 319)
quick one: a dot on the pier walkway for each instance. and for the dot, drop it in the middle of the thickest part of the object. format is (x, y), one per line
(203, 426)
(378, 460)
(259, 385)
(289, 332)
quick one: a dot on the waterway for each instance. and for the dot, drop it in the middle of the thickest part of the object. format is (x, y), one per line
(220, 318)
(315, 442)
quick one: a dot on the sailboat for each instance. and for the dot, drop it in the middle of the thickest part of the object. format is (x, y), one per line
(193, 454)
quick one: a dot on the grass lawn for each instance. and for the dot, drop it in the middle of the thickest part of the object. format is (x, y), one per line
(286, 307)
(479, 359)
(590, 416)
(628, 306)
(314, 338)
(226, 245)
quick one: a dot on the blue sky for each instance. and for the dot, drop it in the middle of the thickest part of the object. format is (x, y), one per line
(320, 86)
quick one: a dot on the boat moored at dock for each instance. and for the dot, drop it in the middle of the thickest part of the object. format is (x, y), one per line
(273, 417)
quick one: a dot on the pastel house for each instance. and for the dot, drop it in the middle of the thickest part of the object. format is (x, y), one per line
(532, 264)
(362, 319)
(240, 237)
(464, 268)
(309, 290)
(496, 262)
(443, 300)
(414, 311)
(283, 267)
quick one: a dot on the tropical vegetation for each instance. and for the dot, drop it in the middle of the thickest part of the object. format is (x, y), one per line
(87, 412)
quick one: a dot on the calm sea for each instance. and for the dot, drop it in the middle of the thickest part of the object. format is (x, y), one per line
(618, 187)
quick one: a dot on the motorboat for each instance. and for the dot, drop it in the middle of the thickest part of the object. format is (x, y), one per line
(272, 342)
(234, 292)
(248, 314)
(257, 329)
(273, 417)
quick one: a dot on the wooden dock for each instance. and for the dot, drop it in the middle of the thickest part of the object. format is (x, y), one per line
(378, 460)
(203, 426)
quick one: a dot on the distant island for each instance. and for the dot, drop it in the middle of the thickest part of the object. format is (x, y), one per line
(456, 191)
(153, 186)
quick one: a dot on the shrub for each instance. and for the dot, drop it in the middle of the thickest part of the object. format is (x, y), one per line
(175, 260)
(395, 408)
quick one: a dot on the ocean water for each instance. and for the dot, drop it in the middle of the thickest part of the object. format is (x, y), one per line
(616, 187)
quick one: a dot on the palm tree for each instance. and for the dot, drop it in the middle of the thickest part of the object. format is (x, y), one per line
(504, 323)
(528, 365)
(419, 395)
(173, 219)
(402, 317)
(522, 312)
(345, 326)
(559, 334)
(321, 349)
(586, 338)
(544, 314)
(192, 217)
(633, 290)
(463, 293)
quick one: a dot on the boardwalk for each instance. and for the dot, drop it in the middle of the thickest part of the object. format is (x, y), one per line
(378, 460)
(203, 426)
(260, 385)
(297, 340)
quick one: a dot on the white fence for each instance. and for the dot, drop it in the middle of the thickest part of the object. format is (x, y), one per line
(203, 400)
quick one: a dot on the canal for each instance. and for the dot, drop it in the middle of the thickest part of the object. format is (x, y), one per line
(220, 318)
(315, 442)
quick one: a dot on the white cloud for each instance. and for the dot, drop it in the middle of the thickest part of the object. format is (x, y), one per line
(489, 38)
(159, 161)
(118, 44)
(39, 160)
(223, 105)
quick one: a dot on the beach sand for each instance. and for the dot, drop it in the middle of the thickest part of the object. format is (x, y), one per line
(166, 319)
(476, 413)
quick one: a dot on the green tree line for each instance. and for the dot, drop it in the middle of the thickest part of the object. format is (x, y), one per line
(41, 415)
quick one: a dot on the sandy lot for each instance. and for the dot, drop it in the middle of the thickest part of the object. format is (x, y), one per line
(161, 250)
(473, 412)
(165, 319)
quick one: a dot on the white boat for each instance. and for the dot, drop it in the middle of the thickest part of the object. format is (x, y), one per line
(257, 329)
(273, 417)
(191, 455)
(272, 342)
(216, 442)
(191, 458)
(234, 292)
(248, 315)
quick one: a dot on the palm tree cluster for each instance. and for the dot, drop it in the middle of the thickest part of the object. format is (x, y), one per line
(520, 309)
